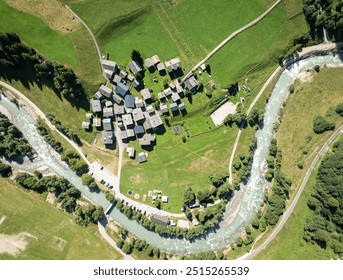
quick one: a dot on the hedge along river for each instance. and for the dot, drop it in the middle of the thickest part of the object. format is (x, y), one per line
(252, 192)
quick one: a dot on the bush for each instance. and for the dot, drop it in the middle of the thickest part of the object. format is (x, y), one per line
(5, 170)
(339, 109)
(321, 125)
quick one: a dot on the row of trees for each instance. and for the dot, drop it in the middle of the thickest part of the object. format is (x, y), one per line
(48, 137)
(65, 130)
(65, 192)
(325, 227)
(24, 60)
(210, 222)
(12, 141)
(75, 162)
(89, 181)
(5, 170)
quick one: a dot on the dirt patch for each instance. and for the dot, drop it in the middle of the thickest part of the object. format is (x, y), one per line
(305, 77)
(136, 179)
(57, 243)
(2, 219)
(52, 12)
(50, 198)
(203, 163)
(14, 244)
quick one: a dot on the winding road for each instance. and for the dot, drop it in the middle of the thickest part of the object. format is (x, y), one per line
(290, 208)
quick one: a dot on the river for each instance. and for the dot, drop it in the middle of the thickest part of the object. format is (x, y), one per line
(252, 193)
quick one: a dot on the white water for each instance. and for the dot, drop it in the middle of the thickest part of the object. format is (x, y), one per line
(253, 191)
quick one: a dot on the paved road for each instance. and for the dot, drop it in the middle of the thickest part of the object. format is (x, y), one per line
(290, 208)
(231, 36)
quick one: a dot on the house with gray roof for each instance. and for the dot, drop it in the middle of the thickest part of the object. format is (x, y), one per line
(145, 92)
(168, 92)
(149, 64)
(160, 68)
(109, 65)
(98, 95)
(159, 219)
(138, 129)
(127, 120)
(173, 65)
(164, 109)
(141, 157)
(182, 106)
(122, 89)
(192, 84)
(108, 74)
(117, 99)
(139, 103)
(118, 109)
(108, 103)
(161, 96)
(130, 133)
(175, 97)
(147, 124)
(129, 101)
(174, 107)
(96, 105)
(123, 74)
(107, 137)
(105, 91)
(147, 140)
(137, 114)
(150, 110)
(108, 112)
(86, 125)
(107, 124)
(117, 79)
(89, 116)
(156, 122)
(135, 67)
(130, 78)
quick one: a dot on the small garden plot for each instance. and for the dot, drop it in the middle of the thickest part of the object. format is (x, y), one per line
(177, 129)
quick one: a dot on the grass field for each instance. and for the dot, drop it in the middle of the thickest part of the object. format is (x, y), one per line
(168, 28)
(301, 108)
(57, 235)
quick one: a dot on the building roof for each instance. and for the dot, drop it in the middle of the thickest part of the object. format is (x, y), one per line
(89, 116)
(96, 105)
(122, 89)
(156, 121)
(107, 112)
(182, 106)
(167, 92)
(97, 122)
(173, 64)
(123, 134)
(145, 92)
(123, 74)
(138, 129)
(160, 67)
(107, 137)
(86, 125)
(150, 110)
(175, 96)
(161, 96)
(107, 124)
(130, 133)
(117, 79)
(129, 101)
(164, 108)
(134, 67)
(109, 65)
(141, 157)
(148, 63)
(108, 103)
(191, 84)
(137, 114)
(98, 95)
(105, 91)
(147, 124)
(173, 107)
(130, 77)
(108, 73)
(158, 219)
(118, 109)
(139, 102)
(117, 99)
(131, 152)
(203, 67)
(136, 83)
(164, 198)
(127, 120)
(147, 140)
(155, 59)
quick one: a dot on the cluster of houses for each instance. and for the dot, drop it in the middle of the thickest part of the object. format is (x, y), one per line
(116, 109)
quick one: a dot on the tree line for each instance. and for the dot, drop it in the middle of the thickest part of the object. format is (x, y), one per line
(66, 196)
(19, 58)
(12, 142)
(325, 226)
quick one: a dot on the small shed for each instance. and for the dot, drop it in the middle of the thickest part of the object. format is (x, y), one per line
(131, 152)
(141, 157)
(86, 125)
(173, 107)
